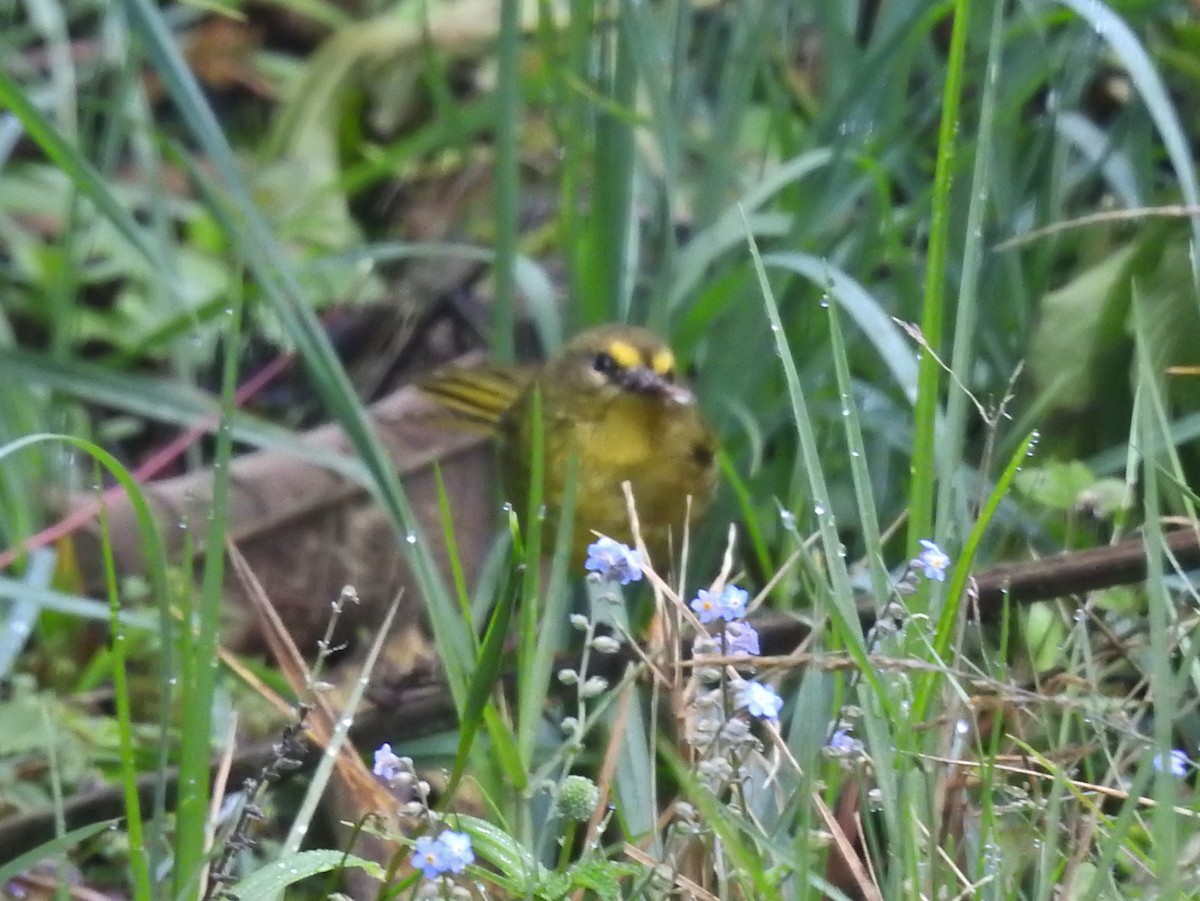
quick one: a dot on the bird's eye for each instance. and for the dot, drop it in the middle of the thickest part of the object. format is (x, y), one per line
(604, 363)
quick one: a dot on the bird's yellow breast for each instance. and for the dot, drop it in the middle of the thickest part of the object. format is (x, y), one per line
(664, 450)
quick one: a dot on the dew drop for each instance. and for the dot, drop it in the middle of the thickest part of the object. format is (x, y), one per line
(411, 537)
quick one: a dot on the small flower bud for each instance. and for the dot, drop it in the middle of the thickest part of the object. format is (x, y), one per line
(577, 798)
(605, 644)
(595, 685)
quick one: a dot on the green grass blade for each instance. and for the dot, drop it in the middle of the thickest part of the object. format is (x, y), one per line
(25, 862)
(484, 681)
(196, 727)
(842, 607)
(139, 859)
(962, 357)
(924, 471)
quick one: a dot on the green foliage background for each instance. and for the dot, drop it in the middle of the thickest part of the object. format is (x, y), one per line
(1013, 181)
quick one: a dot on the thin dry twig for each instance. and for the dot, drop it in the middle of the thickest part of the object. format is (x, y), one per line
(1176, 211)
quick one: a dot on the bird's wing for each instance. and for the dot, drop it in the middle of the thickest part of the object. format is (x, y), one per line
(478, 396)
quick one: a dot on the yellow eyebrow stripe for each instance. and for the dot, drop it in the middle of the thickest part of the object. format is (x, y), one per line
(624, 354)
(663, 361)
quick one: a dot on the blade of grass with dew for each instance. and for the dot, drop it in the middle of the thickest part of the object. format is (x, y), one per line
(967, 308)
(139, 859)
(868, 516)
(924, 454)
(842, 608)
(503, 750)
(199, 649)
(286, 297)
(878, 732)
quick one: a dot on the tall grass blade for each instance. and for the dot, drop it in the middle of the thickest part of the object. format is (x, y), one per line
(923, 472)
(201, 629)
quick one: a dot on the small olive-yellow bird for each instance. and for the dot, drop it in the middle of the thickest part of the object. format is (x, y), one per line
(613, 399)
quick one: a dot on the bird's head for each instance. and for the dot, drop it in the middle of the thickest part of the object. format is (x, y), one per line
(613, 360)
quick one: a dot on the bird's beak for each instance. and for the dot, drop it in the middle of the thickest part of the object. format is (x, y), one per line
(644, 380)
